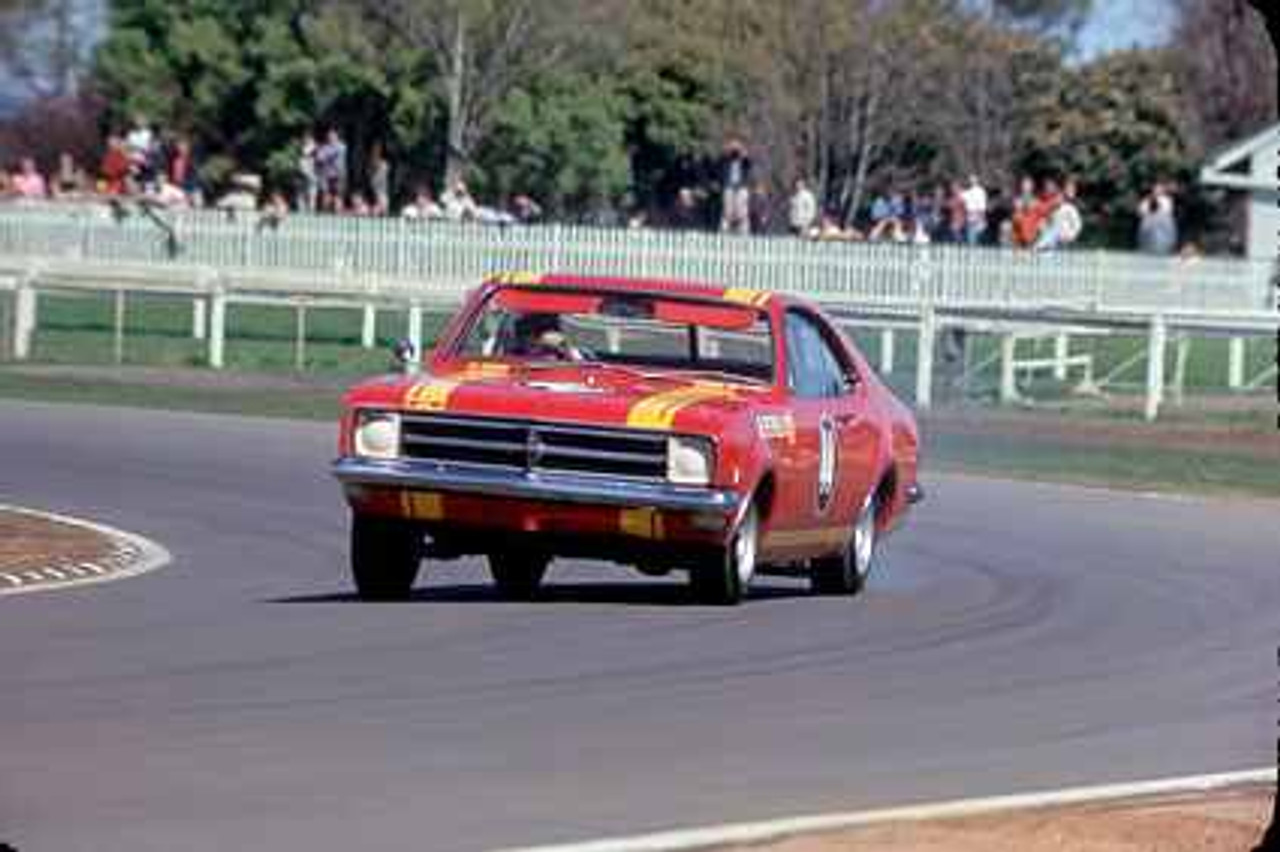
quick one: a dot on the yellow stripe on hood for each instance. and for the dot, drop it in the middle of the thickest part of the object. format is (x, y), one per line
(659, 411)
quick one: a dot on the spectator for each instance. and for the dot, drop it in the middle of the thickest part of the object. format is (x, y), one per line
(458, 204)
(1157, 224)
(6, 184)
(684, 213)
(182, 171)
(802, 210)
(423, 206)
(28, 182)
(114, 168)
(1067, 222)
(881, 210)
(735, 183)
(1024, 225)
(70, 180)
(974, 199)
(1043, 214)
(525, 210)
(274, 210)
(308, 177)
(169, 194)
(760, 209)
(331, 168)
(379, 182)
(243, 195)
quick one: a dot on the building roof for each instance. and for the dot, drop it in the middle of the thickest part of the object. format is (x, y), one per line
(1223, 166)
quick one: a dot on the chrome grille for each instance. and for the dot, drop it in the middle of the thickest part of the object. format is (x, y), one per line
(534, 446)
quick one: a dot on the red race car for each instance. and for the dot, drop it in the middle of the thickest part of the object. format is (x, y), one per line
(663, 425)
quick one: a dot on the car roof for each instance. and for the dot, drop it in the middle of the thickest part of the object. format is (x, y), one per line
(665, 286)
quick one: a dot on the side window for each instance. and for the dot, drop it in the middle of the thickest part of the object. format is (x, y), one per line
(813, 368)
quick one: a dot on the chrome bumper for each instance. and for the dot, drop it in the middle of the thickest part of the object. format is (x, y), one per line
(524, 485)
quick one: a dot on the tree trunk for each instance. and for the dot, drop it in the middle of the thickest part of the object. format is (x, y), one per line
(455, 91)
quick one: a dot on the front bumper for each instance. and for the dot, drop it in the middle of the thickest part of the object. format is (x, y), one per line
(524, 485)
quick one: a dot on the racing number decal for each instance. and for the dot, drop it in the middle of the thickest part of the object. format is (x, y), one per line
(828, 453)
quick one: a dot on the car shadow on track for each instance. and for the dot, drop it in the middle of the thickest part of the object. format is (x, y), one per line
(627, 594)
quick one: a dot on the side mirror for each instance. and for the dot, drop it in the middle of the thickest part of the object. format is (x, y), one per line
(404, 356)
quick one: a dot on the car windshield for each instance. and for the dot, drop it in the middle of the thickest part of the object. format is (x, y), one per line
(636, 330)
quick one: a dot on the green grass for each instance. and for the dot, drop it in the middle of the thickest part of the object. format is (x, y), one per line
(1153, 468)
(79, 329)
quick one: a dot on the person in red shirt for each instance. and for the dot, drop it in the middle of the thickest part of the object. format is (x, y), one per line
(114, 168)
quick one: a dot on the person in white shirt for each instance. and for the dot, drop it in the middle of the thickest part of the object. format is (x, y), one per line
(803, 209)
(974, 198)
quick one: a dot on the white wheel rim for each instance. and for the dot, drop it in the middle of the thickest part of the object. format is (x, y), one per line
(744, 548)
(864, 538)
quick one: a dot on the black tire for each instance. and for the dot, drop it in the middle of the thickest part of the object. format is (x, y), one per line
(847, 573)
(385, 555)
(726, 573)
(517, 576)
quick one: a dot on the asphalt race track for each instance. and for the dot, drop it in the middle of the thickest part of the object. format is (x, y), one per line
(1019, 637)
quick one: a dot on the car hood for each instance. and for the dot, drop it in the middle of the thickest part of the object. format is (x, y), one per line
(605, 395)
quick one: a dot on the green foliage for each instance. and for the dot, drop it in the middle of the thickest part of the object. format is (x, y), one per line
(560, 141)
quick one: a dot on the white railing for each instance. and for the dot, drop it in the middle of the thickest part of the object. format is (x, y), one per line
(443, 259)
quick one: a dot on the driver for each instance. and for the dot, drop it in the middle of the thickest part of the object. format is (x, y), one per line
(539, 335)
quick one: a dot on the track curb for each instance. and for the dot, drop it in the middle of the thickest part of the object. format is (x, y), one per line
(753, 833)
(129, 555)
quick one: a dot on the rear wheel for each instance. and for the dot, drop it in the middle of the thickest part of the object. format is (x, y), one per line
(517, 576)
(724, 578)
(385, 555)
(847, 573)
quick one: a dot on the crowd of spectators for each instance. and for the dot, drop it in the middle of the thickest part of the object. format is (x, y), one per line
(158, 167)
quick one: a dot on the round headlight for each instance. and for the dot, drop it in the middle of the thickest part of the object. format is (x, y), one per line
(689, 461)
(378, 435)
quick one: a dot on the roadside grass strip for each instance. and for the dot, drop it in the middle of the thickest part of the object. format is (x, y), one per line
(713, 837)
(124, 555)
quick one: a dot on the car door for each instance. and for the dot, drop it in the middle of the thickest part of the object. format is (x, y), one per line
(823, 479)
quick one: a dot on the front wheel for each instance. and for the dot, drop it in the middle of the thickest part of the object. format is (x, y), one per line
(385, 555)
(847, 573)
(517, 576)
(724, 578)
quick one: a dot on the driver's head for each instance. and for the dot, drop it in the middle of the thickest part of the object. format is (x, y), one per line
(537, 332)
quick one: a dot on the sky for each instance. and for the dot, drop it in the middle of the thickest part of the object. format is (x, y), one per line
(1118, 24)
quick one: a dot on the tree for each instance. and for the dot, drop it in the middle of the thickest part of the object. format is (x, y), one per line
(482, 51)
(1226, 66)
(1115, 126)
(560, 140)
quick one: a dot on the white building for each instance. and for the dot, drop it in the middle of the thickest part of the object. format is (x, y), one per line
(1253, 166)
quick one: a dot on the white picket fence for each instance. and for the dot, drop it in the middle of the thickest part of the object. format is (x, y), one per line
(444, 259)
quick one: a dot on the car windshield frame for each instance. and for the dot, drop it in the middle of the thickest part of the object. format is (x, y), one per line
(754, 371)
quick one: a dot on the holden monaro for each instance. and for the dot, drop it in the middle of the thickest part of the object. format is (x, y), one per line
(662, 425)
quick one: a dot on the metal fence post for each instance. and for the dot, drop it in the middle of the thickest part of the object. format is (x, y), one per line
(199, 318)
(217, 328)
(25, 311)
(415, 333)
(1235, 363)
(924, 357)
(369, 326)
(1008, 372)
(886, 351)
(1061, 349)
(1155, 366)
(1181, 351)
(300, 336)
(117, 338)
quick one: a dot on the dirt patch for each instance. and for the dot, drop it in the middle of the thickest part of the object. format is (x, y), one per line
(29, 542)
(1225, 821)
